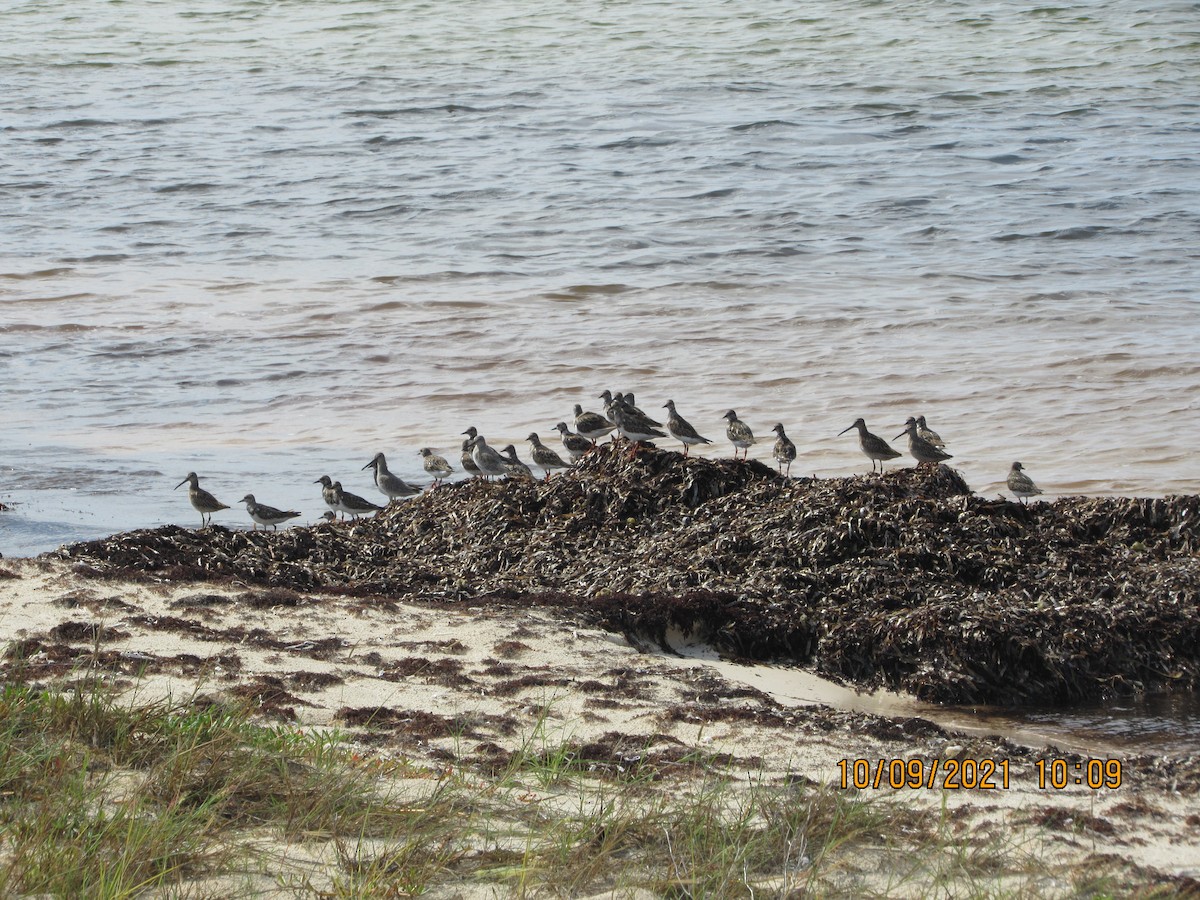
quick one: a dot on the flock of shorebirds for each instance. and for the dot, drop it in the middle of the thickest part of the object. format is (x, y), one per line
(622, 416)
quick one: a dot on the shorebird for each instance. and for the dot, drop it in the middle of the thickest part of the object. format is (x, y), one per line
(489, 462)
(1020, 484)
(204, 502)
(514, 468)
(467, 460)
(352, 504)
(929, 435)
(575, 444)
(634, 426)
(681, 429)
(919, 448)
(739, 434)
(592, 426)
(544, 457)
(609, 401)
(785, 450)
(628, 401)
(875, 447)
(267, 515)
(328, 494)
(390, 485)
(437, 466)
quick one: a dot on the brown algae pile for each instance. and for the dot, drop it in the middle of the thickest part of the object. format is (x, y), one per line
(906, 580)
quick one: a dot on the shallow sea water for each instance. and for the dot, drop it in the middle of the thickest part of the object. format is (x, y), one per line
(263, 241)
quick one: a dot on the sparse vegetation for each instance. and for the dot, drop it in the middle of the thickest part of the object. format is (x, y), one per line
(103, 798)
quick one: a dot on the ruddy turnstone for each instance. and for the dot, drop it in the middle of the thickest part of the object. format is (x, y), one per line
(919, 448)
(634, 426)
(928, 435)
(1020, 484)
(204, 502)
(739, 434)
(874, 447)
(592, 426)
(467, 460)
(680, 429)
(328, 494)
(575, 444)
(267, 515)
(785, 450)
(437, 466)
(352, 504)
(390, 485)
(544, 457)
(514, 468)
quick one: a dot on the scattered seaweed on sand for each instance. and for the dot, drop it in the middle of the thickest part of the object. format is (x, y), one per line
(906, 580)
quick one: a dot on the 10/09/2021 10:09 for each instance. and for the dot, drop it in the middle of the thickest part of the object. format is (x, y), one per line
(976, 774)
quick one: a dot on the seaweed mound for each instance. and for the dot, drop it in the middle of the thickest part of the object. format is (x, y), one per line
(906, 580)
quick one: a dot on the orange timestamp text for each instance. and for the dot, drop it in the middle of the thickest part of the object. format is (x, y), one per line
(975, 774)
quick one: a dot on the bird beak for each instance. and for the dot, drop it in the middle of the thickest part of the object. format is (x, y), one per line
(368, 465)
(181, 484)
(901, 434)
(844, 430)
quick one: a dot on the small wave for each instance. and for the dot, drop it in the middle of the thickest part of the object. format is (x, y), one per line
(81, 123)
(64, 328)
(1075, 233)
(638, 142)
(713, 195)
(765, 123)
(389, 305)
(383, 141)
(391, 209)
(391, 113)
(98, 258)
(40, 273)
(187, 187)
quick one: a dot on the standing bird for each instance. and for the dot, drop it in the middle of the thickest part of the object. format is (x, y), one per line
(490, 463)
(739, 434)
(785, 450)
(874, 447)
(928, 434)
(437, 466)
(467, 460)
(1020, 484)
(514, 468)
(204, 502)
(328, 494)
(544, 457)
(681, 429)
(634, 426)
(627, 399)
(390, 485)
(267, 515)
(919, 448)
(352, 504)
(592, 426)
(575, 444)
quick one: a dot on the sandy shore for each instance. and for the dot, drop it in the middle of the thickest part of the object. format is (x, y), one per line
(462, 683)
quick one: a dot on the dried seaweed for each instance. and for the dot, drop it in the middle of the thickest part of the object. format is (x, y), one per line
(907, 580)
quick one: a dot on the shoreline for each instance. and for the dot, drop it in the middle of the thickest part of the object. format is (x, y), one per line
(906, 581)
(449, 629)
